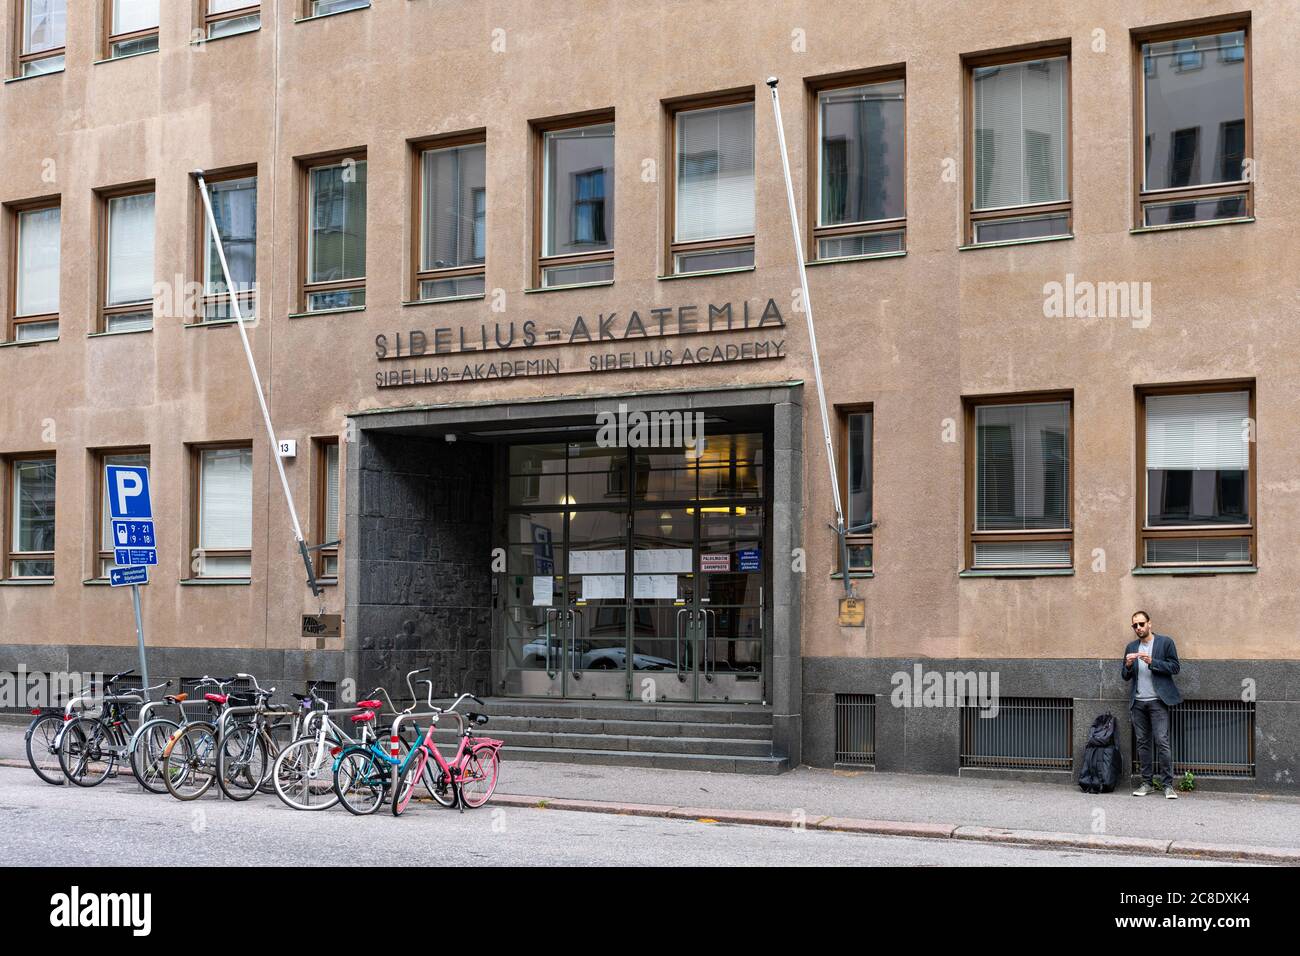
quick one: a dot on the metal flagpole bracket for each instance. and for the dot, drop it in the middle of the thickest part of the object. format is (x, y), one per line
(852, 611)
(312, 583)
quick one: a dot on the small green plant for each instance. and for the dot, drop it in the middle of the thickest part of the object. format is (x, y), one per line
(1188, 782)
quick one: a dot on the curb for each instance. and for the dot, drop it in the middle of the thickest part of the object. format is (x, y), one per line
(935, 831)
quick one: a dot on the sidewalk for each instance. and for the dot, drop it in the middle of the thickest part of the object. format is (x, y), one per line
(1232, 826)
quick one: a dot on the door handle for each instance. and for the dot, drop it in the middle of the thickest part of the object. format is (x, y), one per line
(550, 671)
(678, 643)
(574, 615)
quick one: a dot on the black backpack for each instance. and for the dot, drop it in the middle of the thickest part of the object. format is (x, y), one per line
(1103, 764)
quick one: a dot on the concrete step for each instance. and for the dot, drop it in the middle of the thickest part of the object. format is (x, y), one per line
(647, 728)
(629, 710)
(661, 761)
(695, 746)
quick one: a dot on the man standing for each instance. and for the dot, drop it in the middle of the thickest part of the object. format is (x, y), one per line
(1150, 663)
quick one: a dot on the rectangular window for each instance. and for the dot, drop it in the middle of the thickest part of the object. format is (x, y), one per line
(132, 27)
(334, 244)
(128, 244)
(1019, 497)
(855, 484)
(1018, 166)
(104, 527)
(319, 8)
(37, 234)
(223, 18)
(223, 533)
(43, 28)
(31, 517)
(860, 162)
(577, 203)
(451, 190)
(712, 208)
(234, 207)
(1195, 119)
(327, 507)
(1197, 459)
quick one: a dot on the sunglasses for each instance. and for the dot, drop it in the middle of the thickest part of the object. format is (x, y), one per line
(1139, 624)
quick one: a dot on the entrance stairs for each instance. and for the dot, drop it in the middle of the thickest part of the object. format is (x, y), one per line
(722, 738)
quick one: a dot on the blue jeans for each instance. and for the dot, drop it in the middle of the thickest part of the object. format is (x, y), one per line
(1151, 724)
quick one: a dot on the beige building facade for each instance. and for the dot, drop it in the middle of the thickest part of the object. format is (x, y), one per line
(1051, 256)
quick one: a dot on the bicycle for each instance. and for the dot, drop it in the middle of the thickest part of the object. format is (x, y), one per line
(189, 757)
(471, 774)
(90, 747)
(149, 742)
(302, 774)
(42, 737)
(246, 751)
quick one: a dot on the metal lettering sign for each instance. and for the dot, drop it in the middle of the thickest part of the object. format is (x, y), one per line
(322, 625)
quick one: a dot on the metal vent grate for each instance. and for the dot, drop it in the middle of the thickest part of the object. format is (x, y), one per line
(1026, 733)
(855, 730)
(1211, 738)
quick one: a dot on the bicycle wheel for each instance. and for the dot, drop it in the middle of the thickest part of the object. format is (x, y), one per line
(360, 781)
(147, 754)
(42, 748)
(407, 782)
(242, 763)
(304, 775)
(83, 754)
(478, 780)
(190, 761)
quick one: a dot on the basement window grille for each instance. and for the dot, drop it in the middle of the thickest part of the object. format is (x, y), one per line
(1211, 738)
(855, 730)
(1025, 733)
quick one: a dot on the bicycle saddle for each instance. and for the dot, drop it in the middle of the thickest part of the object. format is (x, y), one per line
(176, 698)
(215, 698)
(363, 718)
(370, 704)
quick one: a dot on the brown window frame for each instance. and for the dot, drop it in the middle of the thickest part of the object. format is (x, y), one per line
(210, 19)
(305, 165)
(417, 149)
(103, 198)
(1143, 198)
(305, 9)
(14, 212)
(21, 59)
(111, 38)
(866, 539)
(538, 130)
(970, 535)
(195, 451)
(813, 88)
(99, 458)
(1011, 56)
(1143, 532)
(7, 553)
(320, 448)
(671, 248)
(247, 300)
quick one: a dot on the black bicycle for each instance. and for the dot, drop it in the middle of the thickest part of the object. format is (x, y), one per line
(90, 748)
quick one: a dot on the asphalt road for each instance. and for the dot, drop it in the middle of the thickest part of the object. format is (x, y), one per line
(116, 824)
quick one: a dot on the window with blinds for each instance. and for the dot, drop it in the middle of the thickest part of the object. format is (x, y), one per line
(327, 508)
(1021, 486)
(132, 27)
(577, 204)
(31, 517)
(713, 186)
(451, 248)
(856, 484)
(334, 241)
(234, 207)
(1019, 146)
(1194, 108)
(36, 274)
(859, 136)
(43, 26)
(1198, 452)
(224, 495)
(223, 18)
(128, 261)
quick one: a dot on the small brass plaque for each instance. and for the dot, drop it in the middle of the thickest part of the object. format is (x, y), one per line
(322, 625)
(853, 612)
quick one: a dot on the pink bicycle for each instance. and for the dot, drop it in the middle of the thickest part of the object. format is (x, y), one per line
(469, 778)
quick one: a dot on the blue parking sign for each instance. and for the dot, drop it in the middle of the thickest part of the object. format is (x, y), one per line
(133, 543)
(121, 577)
(128, 492)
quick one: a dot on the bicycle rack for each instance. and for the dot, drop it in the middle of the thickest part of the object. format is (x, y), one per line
(394, 736)
(240, 712)
(91, 699)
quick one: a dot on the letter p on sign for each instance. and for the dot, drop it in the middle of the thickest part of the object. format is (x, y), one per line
(128, 492)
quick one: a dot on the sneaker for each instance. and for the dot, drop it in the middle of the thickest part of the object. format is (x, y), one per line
(1169, 794)
(1143, 790)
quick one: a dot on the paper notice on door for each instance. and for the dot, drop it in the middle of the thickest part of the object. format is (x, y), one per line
(542, 590)
(597, 587)
(598, 562)
(651, 586)
(662, 561)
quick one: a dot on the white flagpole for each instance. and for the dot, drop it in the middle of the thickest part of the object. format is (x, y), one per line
(316, 589)
(812, 340)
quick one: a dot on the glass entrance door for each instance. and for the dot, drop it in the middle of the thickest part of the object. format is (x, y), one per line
(636, 574)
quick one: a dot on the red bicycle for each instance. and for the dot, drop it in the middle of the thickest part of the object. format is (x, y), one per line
(470, 776)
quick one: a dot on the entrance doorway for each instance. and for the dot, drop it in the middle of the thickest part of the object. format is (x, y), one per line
(636, 574)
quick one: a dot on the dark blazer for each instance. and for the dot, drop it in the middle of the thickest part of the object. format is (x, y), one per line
(1164, 665)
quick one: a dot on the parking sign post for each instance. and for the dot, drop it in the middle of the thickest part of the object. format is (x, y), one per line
(134, 547)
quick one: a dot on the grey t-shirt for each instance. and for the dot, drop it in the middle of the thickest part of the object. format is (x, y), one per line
(1146, 688)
